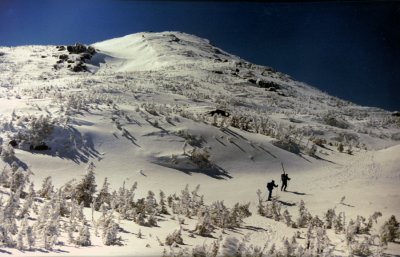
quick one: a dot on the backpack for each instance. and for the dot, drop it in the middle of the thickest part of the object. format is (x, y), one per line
(269, 186)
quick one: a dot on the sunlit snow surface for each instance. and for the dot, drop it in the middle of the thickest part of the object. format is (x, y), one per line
(148, 93)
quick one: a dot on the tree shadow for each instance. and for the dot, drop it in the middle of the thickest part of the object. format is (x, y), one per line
(268, 152)
(218, 140)
(19, 163)
(322, 159)
(286, 203)
(232, 133)
(255, 229)
(4, 251)
(71, 146)
(296, 193)
(129, 136)
(348, 205)
(186, 166)
(238, 146)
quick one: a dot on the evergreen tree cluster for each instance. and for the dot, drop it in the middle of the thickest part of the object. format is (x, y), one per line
(316, 229)
(191, 204)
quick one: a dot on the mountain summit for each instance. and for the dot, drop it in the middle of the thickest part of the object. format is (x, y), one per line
(149, 51)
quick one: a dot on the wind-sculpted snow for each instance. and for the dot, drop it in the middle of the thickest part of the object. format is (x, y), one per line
(169, 110)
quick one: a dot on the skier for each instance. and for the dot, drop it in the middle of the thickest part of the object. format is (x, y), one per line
(284, 178)
(270, 187)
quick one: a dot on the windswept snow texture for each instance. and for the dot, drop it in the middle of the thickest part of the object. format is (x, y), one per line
(140, 113)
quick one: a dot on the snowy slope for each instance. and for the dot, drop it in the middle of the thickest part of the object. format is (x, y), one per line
(143, 108)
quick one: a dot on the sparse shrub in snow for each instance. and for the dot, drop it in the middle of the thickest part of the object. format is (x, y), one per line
(151, 220)
(360, 248)
(188, 203)
(319, 141)
(232, 247)
(223, 217)
(350, 150)
(237, 248)
(40, 128)
(334, 121)
(150, 108)
(312, 151)
(175, 237)
(238, 213)
(140, 219)
(340, 147)
(390, 231)
(200, 157)
(395, 136)
(288, 144)
(272, 210)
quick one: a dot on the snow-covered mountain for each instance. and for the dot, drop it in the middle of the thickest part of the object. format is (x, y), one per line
(139, 106)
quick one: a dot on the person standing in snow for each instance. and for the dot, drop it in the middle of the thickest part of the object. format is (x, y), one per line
(284, 178)
(270, 187)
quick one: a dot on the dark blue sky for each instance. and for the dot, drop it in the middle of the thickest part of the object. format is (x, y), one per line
(348, 49)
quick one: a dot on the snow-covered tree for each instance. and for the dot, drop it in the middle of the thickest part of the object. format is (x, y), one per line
(287, 218)
(339, 223)
(163, 205)
(174, 237)
(110, 233)
(330, 216)
(25, 237)
(47, 188)
(7, 153)
(204, 225)
(150, 204)
(27, 205)
(87, 187)
(104, 196)
(47, 226)
(390, 231)
(40, 128)
(304, 215)
(83, 238)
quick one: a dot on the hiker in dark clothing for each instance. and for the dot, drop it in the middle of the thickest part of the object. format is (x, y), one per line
(270, 187)
(284, 178)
